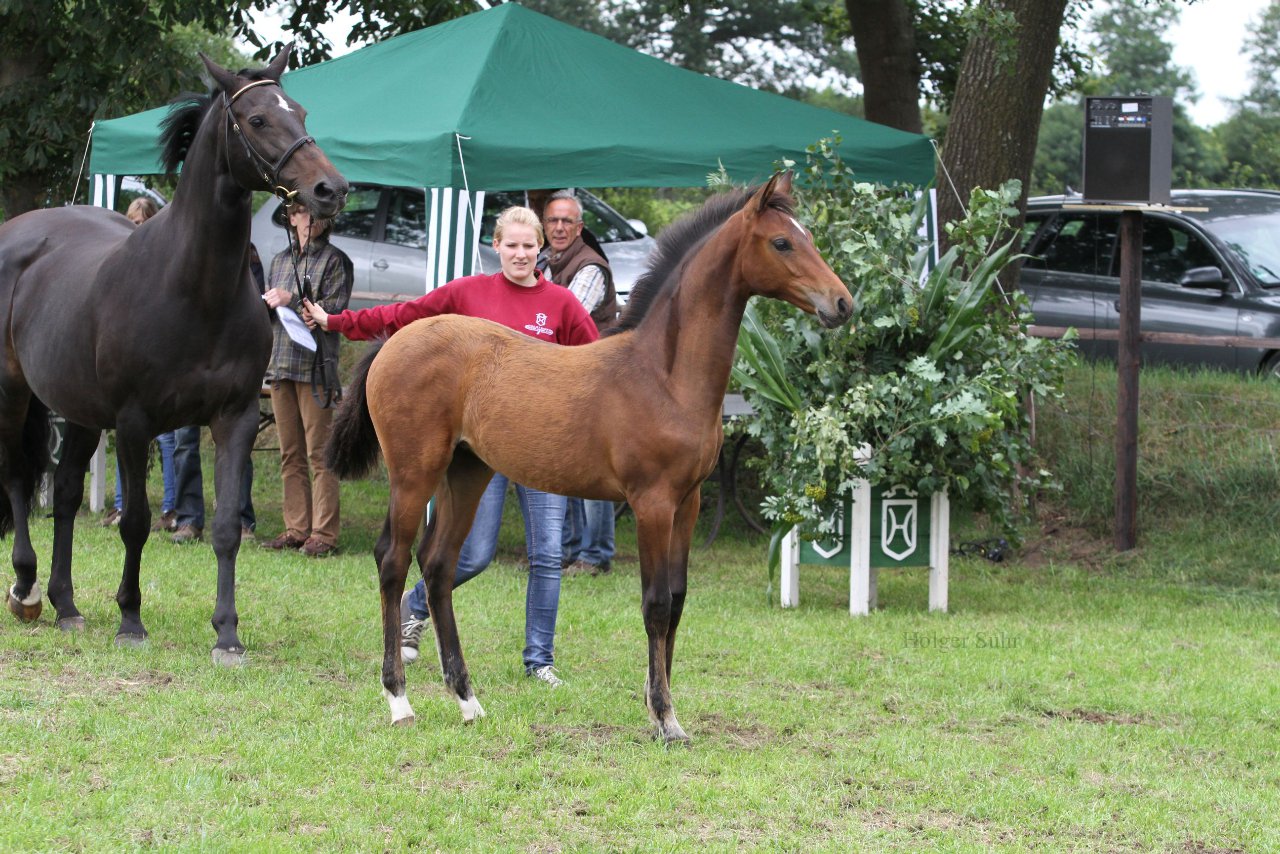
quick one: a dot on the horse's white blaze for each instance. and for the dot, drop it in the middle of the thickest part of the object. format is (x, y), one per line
(400, 708)
(32, 598)
(800, 228)
(470, 709)
(284, 105)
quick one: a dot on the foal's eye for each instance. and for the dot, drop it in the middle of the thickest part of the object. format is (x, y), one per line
(782, 244)
(257, 121)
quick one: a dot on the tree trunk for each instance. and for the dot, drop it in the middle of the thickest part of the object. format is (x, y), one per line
(995, 118)
(884, 36)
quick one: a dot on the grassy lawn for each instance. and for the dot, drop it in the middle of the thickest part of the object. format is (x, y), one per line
(1071, 700)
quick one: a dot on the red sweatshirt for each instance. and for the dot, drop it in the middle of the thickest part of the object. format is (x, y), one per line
(545, 311)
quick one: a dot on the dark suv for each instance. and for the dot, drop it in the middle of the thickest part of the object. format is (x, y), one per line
(1208, 272)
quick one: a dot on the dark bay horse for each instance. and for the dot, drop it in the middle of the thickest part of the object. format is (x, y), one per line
(148, 329)
(448, 399)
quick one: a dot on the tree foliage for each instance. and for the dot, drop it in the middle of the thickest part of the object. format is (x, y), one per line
(64, 64)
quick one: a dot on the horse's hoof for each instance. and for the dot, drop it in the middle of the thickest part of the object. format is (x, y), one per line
(228, 657)
(471, 709)
(672, 735)
(27, 610)
(131, 640)
(401, 711)
(71, 624)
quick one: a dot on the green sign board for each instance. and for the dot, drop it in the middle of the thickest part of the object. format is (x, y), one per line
(901, 532)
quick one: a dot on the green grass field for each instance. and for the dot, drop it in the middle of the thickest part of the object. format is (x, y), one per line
(1072, 699)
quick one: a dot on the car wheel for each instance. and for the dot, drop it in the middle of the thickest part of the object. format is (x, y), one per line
(1271, 367)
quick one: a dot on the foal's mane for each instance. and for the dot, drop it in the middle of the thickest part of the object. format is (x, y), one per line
(186, 112)
(677, 241)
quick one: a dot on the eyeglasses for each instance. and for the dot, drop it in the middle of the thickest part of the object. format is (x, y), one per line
(561, 220)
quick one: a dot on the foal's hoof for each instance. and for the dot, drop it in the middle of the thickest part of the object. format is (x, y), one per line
(27, 610)
(672, 735)
(131, 640)
(71, 624)
(228, 657)
(403, 721)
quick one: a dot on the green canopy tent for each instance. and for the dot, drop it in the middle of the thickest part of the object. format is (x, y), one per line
(508, 99)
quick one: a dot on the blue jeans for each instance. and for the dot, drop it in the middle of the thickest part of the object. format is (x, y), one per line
(588, 532)
(543, 521)
(166, 442)
(190, 482)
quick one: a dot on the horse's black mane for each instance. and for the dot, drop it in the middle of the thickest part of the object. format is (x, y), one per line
(677, 241)
(186, 112)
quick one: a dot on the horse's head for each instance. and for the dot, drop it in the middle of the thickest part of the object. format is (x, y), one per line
(267, 146)
(780, 260)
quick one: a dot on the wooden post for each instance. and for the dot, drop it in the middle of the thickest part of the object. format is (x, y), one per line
(1128, 362)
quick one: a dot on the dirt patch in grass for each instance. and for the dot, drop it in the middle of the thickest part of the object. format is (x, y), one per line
(1058, 540)
(1093, 717)
(593, 734)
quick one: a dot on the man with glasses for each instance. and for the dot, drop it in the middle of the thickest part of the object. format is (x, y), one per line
(573, 262)
(581, 267)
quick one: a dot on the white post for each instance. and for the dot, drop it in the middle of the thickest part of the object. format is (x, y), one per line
(861, 585)
(789, 583)
(940, 525)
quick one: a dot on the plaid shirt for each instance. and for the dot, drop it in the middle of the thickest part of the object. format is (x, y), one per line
(331, 279)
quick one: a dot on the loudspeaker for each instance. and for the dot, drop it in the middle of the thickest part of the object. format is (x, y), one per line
(1128, 149)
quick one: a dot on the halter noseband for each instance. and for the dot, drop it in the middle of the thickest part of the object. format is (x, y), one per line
(261, 164)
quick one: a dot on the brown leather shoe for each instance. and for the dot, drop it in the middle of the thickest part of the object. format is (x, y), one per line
(166, 522)
(187, 534)
(318, 548)
(284, 541)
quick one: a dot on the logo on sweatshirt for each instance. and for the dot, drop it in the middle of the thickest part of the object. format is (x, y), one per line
(539, 325)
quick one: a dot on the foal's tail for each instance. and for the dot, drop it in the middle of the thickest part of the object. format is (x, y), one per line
(353, 443)
(30, 462)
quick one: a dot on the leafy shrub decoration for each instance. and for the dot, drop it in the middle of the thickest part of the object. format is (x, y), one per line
(925, 386)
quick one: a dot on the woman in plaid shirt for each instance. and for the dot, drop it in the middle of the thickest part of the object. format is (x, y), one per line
(311, 515)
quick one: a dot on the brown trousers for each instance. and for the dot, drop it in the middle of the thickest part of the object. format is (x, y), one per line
(310, 497)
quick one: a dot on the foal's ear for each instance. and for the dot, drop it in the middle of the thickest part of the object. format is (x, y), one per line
(779, 183)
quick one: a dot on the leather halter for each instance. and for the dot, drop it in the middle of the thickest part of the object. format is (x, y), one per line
(270, 172)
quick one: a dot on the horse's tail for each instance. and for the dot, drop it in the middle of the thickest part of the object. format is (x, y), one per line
(353, 443)
(32, 460)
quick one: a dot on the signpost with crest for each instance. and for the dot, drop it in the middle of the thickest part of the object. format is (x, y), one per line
(880, 528)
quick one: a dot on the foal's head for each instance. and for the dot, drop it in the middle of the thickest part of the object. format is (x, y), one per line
(779, 260)
(267, 146)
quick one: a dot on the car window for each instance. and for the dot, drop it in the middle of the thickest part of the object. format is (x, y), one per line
(1253, 237)
(1169, 251)
(407, 219)
(605, 223)
(494, 204)
(358, 217)
(1077, 243)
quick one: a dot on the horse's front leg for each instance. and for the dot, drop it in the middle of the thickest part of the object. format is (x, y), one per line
(132, 440)
(681, 540)
(233, 437)
(655, 518)
(78, 445)
(392, 552)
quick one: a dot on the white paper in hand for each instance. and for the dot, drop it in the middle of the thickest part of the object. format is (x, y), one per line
(298, 331)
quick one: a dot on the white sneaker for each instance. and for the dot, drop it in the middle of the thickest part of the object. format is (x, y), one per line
(546, 673)
(410, 630)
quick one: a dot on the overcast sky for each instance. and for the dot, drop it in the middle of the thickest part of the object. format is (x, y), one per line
(1209, 40)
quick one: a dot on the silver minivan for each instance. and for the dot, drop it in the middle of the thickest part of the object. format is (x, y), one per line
(384, 231)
